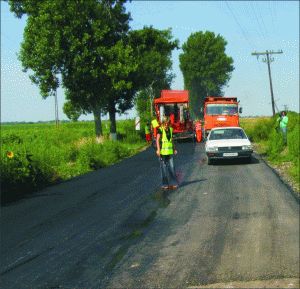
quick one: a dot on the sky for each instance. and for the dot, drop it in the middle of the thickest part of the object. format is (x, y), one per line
(247, 26)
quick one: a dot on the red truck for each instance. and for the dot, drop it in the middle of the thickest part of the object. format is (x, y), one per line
(220, 112)
(175, 105)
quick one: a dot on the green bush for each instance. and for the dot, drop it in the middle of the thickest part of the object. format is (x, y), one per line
(293, 120)
(132, 138)
(262, 129)
(110, 152)
(72, 153)
(21, 172)
(275, 144)
(36, 156)
(89, 157)
(293, 143)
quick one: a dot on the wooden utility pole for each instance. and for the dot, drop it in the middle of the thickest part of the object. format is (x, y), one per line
(151, 100)
(268, 61)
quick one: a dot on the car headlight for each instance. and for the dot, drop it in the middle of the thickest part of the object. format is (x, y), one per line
(212, 149)
(247, 147)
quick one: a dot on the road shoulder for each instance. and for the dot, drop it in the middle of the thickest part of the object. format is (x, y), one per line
(281, 172)
(274, 283)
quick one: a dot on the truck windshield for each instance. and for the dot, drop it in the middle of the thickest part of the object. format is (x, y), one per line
(221, 109)
(174, 111)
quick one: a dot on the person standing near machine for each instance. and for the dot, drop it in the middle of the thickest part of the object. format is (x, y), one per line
(154, 126)
(148, 133)
(165, 154)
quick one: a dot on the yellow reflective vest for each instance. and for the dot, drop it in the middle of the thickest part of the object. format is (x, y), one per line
(155, 123)
(167, 145)
(147, 130)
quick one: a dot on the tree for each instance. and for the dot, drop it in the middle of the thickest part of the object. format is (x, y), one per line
(205, 67)
(152, 51)
(142, 99)
(88, 42)
(82, 41)
(71, 111)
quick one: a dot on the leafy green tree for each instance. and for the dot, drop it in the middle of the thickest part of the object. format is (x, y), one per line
(102, 64)
(82, 41)
(152, 50)
(205, 67)
(71, 111)
(142, 99)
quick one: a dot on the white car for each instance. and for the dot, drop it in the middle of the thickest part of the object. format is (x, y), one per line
(228, 143)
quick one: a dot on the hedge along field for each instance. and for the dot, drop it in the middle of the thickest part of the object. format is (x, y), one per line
(272, 143)
(34, 156)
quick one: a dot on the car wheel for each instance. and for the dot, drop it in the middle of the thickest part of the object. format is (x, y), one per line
(209, 161)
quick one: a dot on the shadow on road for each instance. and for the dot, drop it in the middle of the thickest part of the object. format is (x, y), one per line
(183, 184)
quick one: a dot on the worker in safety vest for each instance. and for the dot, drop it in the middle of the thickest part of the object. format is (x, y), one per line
(154, 126)
(165, 153)
(148, 133)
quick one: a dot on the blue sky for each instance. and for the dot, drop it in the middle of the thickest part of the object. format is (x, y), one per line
(247, 27)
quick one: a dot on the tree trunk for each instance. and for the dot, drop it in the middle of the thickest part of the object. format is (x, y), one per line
(112, 118)
(97, 119)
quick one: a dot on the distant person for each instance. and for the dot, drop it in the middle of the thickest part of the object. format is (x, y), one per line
(148, 133)
(165, 154)
(283, 121)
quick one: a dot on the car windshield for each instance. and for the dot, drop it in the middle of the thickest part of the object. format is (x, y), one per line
(230, 133)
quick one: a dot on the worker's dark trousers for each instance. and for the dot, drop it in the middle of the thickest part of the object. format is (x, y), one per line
(169, 162)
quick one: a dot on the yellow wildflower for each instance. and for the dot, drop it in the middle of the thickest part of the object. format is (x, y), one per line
(10, 154)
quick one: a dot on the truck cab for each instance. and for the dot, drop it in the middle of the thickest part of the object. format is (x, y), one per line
(220, 112)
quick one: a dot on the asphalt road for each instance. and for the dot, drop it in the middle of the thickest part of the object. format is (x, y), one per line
(231, 221)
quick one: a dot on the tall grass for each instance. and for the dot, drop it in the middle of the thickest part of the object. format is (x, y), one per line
(264, 132)
(39, 155)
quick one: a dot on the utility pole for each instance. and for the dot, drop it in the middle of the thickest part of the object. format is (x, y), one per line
(151, 100)
(285, 107)
(275, 104)
(268, 61)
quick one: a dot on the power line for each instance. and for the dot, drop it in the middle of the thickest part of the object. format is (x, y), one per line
(268, 62)
(270, 9)
(240, 25)
(258, 21)
(263, 22)
(9, 39)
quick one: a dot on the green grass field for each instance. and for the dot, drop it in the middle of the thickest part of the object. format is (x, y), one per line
(37, 155)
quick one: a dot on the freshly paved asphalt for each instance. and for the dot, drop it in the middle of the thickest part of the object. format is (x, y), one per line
(114, 227)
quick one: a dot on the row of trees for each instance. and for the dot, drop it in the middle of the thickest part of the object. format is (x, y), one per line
(206, 71)
(102, 62)
(108, 68)
(205, 67)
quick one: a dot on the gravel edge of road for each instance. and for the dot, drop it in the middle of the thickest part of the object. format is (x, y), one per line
(273, 283)
(281, 173)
